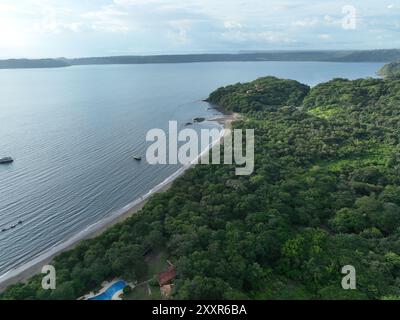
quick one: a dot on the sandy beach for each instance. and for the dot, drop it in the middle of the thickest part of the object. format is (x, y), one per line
(27, 270)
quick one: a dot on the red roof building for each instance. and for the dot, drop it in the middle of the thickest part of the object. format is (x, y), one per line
(165, 277)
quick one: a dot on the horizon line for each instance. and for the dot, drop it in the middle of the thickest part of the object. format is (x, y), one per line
(240, 52)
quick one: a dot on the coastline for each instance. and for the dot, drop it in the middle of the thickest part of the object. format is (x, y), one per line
(29, 269)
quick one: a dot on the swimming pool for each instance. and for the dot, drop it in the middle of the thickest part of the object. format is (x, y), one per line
(111, 291)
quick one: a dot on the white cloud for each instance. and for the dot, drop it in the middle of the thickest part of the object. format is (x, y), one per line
(178, 32)
(324, 36)
(335, 21)
(108, 19)
(307, 22)
(161, 25)
(131, 2)
(257, 37)
(10, 34)
(232, 25)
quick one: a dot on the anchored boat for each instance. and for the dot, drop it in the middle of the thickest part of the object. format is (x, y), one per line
(6, 160)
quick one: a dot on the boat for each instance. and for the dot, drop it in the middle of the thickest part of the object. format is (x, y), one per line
(6, 160)
(198, 120)
(138, 158)
(13, 226)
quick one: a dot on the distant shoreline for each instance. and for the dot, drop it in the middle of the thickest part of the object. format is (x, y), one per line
(26, 271)
(371, 56)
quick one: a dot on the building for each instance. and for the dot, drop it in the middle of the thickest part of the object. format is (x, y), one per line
(167, 276)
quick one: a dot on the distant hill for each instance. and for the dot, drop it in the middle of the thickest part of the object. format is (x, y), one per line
(391, 70)
(190, 58)
(372, 56)
(327, 56)
(33, 63)
(334, 56)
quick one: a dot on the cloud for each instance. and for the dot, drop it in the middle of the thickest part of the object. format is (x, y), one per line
(232, 25)
(132, 2)
(108, 19)
(324, 36)
(307, 22)
(257, 37)
(178, 32)
(83, 26)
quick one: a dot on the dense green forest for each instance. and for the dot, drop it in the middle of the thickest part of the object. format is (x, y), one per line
(391, 70)
(325, 193)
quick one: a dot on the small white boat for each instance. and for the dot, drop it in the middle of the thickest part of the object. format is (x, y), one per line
(138, 158)
(6, 160)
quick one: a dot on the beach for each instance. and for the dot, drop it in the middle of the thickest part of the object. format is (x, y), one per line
(34, 267)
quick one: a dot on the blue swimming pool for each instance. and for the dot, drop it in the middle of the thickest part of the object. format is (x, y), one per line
(113, 289)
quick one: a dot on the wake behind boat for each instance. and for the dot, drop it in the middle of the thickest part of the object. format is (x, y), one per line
(6, 160)
(12, 227)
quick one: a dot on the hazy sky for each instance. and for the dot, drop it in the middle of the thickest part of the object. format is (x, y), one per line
(71, 28)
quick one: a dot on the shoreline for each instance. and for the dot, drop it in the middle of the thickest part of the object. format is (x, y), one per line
(33, 267)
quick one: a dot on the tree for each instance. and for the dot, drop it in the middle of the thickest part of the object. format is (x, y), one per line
(349, 220)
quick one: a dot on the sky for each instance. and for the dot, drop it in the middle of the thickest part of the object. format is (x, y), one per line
(81, 28)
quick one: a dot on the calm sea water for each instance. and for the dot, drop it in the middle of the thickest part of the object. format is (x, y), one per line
(73, 132)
